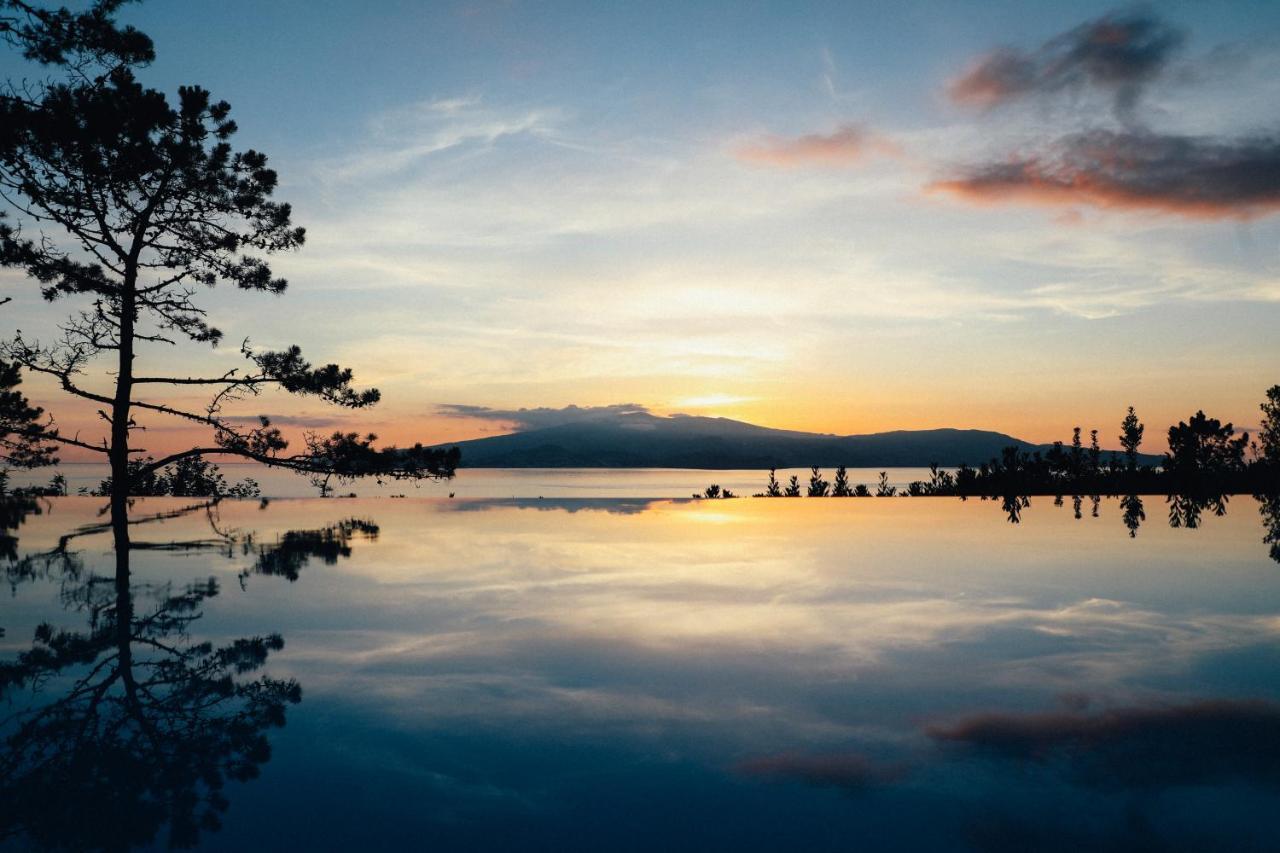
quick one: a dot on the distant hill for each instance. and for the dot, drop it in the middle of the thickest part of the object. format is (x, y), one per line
(642, 440)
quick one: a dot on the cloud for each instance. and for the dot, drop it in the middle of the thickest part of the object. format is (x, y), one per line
(711, 401)
(1119, 54)
(848, 771)
(1195, 743)
(401, 139)
(847, 145)
(293, 420)
(1197, 177)
(539, 418)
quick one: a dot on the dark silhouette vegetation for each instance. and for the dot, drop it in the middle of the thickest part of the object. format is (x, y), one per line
(1206, 457)
(130, 203)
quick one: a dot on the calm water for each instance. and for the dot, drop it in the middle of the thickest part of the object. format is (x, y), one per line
(886, 674)
(508, 482)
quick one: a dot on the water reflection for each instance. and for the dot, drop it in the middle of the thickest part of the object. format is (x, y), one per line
(1269, 506)
(613, 506)
(1159, 746)
(912, 674)
(1184, 511)
(126, 731)
(294, 549)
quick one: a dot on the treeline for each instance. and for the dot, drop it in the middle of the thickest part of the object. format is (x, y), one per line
(1205, 456)
(192, 476)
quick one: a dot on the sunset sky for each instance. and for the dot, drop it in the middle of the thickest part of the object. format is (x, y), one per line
(839, 217)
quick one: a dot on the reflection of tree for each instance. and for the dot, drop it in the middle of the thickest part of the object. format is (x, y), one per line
(131, 728)
(295, 548)
(1269, 506)
(1185, 510)
(1013, 505)
(147, 728)
(13, 512)
(1134, 513)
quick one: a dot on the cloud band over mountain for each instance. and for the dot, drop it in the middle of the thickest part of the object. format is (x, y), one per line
(541, 417)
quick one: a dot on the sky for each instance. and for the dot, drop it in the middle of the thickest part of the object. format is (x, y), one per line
(838, 217)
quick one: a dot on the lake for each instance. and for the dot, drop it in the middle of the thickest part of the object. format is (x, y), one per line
(630, 674)
(505, 482)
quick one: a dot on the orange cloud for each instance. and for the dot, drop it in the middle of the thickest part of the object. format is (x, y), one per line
(1185, 176)
(849, 144)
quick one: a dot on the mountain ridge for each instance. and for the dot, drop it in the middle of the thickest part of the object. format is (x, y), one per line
(643, 440)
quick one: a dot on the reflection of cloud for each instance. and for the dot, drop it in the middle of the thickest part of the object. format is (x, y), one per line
(1189, 176)
(848, 771)
(612, 506)
(847, 145)
(1196, 743)
(1118, 53)
(543, 416)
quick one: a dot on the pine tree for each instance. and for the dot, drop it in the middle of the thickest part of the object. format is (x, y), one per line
(1131, 438)
(818, 487)
(136, 204)
(1269, 433)
(840, 487)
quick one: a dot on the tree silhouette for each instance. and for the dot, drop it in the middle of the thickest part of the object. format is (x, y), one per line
(840, 487)
(137, 203)
(714, 492)
(1269, 432)
(77, 40)
(818, 487)
(773, 489)
(24, 435)
(1077, 454)
(793, 487)
(1131, 438)
(1204, 446)
(192, 476)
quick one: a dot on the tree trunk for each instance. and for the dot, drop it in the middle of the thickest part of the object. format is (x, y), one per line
(119, 454)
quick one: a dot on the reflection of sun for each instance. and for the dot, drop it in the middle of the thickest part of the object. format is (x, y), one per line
(714, 517)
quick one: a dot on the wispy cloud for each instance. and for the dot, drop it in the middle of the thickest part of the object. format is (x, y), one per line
(299, 420)
(398, 139)
(847, 145)
(708, 401)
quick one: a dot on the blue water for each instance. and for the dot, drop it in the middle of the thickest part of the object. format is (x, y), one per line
(881, 674)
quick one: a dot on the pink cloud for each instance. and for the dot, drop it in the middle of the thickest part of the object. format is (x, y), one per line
(847, 145)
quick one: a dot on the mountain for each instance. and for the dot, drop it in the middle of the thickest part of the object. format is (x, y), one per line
(642, 440)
